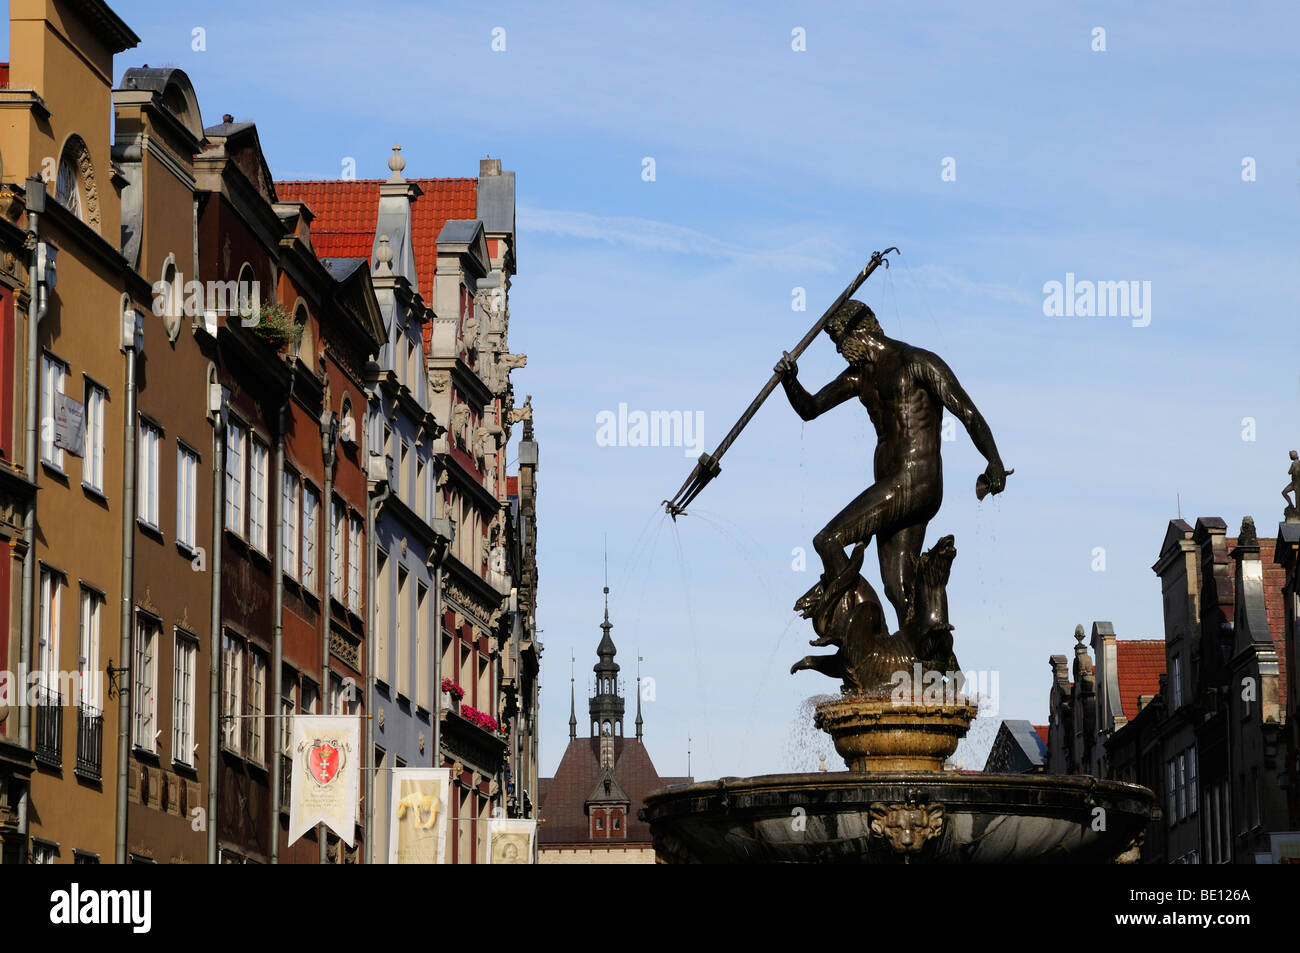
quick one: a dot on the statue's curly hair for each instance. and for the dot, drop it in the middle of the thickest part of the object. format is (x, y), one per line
(850, 316)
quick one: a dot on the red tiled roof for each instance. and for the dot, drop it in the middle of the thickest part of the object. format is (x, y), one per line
(346, 212)
(1042, 732)
(562, 798)
(1141, 662)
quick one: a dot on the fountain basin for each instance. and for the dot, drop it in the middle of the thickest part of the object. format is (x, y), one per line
(899, 817)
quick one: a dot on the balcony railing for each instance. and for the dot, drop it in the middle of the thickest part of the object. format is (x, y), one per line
(49, 727)
(90, 742)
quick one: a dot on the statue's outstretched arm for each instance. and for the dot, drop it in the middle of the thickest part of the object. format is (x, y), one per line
(943, 384)
(809, 406)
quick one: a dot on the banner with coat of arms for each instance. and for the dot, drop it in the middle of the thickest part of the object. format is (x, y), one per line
(417, 828)
(326, 775)
(511, 841)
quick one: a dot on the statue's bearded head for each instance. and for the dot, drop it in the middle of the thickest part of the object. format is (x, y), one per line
(851, 327)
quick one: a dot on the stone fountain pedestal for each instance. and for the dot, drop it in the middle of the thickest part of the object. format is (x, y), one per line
(898, 804)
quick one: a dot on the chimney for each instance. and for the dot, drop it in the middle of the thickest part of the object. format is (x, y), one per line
(489, 167)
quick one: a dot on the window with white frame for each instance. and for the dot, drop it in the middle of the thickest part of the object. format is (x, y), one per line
(51, 610)
(289, 515)
(1178, 681)
(53, 374)
(310, 697)
(421, 507)
(232, 692)
(147, 479)
(44, 852)
(236, 441)
(402, 633)
(343, 698)
(92, 463)
(258, 461)
(256, 720)
(423, 654)
(187, 496)
(383, 620)
(1172, 779)
(144, 683)
(338, 536)
(356, 554)
(288, 700)
(310, 533)
(187, 653)
(89, 687)
(1193, 798)
(1182, 787)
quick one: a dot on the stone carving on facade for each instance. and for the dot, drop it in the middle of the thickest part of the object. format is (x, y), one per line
(518, 414)
(438, 381)
(460, 424)
(469, 333)
(482, 612)
(346, 648)
(86, 178)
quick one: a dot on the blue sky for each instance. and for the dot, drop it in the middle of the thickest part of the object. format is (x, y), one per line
(778, 169)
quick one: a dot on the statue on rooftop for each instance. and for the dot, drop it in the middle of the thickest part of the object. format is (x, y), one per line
(1293, 505)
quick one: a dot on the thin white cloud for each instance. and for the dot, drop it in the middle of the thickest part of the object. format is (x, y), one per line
(650, 235)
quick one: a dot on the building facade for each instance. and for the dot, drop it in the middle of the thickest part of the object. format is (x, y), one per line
(228, 477)
(455, 567)
(1211, 738)
(69, 632)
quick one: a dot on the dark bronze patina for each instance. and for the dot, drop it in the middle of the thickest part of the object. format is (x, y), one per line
(1292, 505)
(905, 390)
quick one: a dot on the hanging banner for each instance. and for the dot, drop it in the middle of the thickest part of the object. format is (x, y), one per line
(69, 424)
(417, 828)
(510, 841)
(326, 773)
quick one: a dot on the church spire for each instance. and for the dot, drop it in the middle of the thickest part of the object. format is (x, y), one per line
(639, 720)
(606, 706)
(573, 716)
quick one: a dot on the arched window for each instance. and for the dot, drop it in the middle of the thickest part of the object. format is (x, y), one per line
(67, 191)
(248, 293)
(301, 318)
(74, 187)
(169, 297)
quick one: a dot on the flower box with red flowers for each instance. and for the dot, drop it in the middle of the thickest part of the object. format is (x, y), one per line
(480, 718)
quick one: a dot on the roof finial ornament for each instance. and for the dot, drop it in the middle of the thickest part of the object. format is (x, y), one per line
(383, 257)
(397, 164)
(573, 716)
